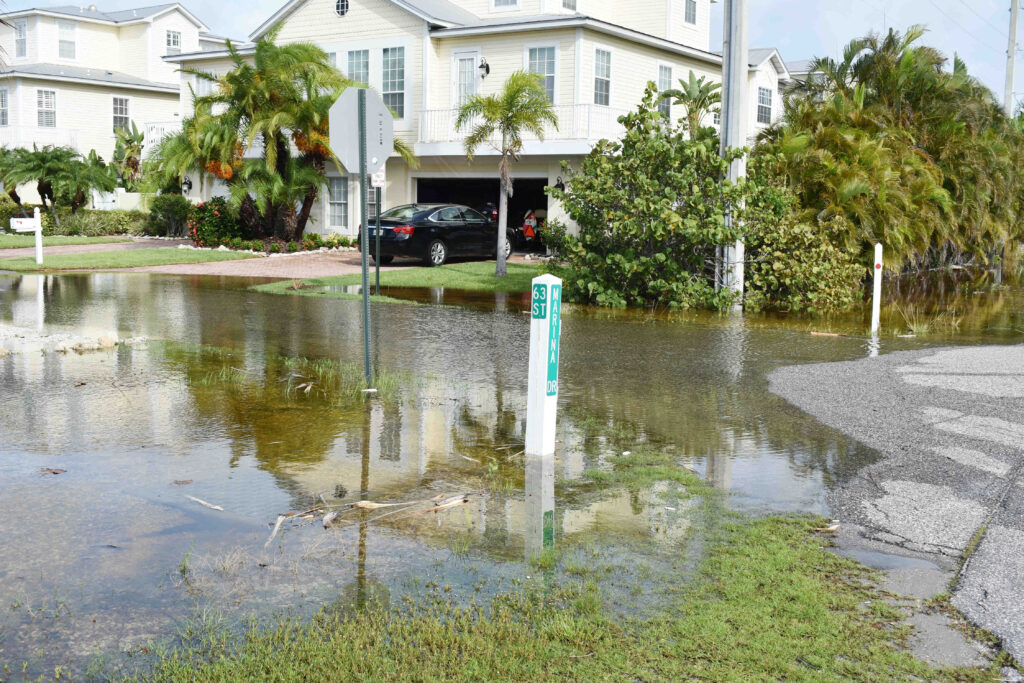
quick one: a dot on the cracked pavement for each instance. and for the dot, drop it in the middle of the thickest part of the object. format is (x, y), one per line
(950, 425)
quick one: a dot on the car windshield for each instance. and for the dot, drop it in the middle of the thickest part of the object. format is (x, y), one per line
(403, 213)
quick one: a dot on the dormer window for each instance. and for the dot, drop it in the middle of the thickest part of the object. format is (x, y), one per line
(341, 7)
(174, 42)
(66, 39)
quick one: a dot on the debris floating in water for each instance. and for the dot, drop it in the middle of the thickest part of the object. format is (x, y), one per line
(277, 527)
(181, 482)
(205, 504)
(51, 470)
(329, 518)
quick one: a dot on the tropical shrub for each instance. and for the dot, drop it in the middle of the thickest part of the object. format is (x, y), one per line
(93, 223)
(312, 241)
(650, 211)
(213, 223)
(336, 240)
(168, 215)
(292, 247)
(275, 248)
(258, 246)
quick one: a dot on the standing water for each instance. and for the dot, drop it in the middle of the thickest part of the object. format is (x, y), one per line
(246, 402)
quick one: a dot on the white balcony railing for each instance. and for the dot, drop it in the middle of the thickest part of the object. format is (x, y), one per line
(26, 136)
(155, 132)
(584, 122)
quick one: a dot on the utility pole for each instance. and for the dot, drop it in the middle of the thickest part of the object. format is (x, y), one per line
(735, 115)
(1011, 57)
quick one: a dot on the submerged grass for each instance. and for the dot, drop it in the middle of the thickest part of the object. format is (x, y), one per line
(643, 467)
(770, 603)
(476, 276)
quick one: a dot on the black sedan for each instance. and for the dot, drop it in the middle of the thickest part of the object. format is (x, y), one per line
(434, 232)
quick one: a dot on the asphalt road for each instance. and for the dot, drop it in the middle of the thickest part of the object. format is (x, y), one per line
(950, 425)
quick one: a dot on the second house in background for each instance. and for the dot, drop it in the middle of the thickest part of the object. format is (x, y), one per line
(426, 57)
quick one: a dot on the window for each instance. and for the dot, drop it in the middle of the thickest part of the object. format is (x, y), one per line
(602, 77)
(465, 77)
(332, 57)
(121, 119)
(66, 39)
(46, 105)
(717, 117)
(393, 87)
(21, 39)
(371, 202)
(569, 4)
(4, 120)
(174, 42)
(448, 215)
(691, 11)
(338, 202)
(359, 66)
(665, 83)
(341, 7)
(542, 61)
(500, 4)
(764, 105)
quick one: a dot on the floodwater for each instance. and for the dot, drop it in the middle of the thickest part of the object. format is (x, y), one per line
(107, 562)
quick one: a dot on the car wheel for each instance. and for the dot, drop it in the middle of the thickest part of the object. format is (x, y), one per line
(508, 246)
(437, 253)
(383, 260)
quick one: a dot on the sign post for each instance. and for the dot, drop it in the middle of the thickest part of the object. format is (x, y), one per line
(545, 336)
(370, 148)
(377, 180)
(876, 301)
(34, 224)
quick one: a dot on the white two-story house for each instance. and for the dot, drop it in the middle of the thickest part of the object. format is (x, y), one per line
(426, 57)
(72, 75)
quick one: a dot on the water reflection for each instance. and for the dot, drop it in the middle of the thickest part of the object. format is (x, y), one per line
(539, 506)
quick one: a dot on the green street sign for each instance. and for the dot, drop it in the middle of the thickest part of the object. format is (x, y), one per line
(540, 302)
(555, 335)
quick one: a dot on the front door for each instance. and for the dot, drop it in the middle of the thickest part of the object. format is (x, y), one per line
(465, 77)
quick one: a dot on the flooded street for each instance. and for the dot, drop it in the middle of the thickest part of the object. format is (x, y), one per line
(242, 400)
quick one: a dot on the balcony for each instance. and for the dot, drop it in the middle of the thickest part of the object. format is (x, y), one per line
(155, 132)
(26, 136)
(579, 127)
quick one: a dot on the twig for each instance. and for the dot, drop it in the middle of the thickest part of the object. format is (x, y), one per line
(280, 519)
(205, 504)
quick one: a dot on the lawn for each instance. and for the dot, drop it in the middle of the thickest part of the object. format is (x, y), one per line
(770, 603)
(477, 276)
(22, 241)
(131, 258)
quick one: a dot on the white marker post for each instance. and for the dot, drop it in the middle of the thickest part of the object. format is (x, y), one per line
(545, 335)
(34, 224)
(876, 303)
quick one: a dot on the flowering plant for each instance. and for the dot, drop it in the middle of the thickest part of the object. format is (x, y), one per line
(213, 223)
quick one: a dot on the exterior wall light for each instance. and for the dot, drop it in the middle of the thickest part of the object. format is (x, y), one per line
(485, 68)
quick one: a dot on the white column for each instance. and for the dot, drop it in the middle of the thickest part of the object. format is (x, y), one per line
(876, 299)
(735, 115)
(39, 237)
(542, 396)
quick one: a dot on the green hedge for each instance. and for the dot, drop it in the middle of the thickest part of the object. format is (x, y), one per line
(87, 222)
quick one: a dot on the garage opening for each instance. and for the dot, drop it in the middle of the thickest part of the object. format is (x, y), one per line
(482, 193)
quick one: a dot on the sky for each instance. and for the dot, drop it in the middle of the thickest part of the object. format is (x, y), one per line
(800, 29)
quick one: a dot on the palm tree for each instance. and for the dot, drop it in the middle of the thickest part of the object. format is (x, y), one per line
(128, 155)
(698, 97)
(521, 107)
(7, 159)
(86, 175)
(48, 167)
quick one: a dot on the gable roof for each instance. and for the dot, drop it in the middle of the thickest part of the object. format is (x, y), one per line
(128, 16)
(435, 12)
(78, 74)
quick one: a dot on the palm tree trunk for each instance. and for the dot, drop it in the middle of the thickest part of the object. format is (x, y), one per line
(501, 270)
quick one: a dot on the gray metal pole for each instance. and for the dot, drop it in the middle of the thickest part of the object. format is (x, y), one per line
(735, 115)
(365, 223)
(376, 191)
(1011, 58)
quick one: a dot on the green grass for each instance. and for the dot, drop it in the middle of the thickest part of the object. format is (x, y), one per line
(23, 241)
(769, 603)
(476, 276)
(130, 258)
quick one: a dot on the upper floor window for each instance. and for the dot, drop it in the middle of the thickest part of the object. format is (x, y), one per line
(46, 106)
(341, 7)
(691, 11)
(764, 105)
(542, 61)
(665, 83)
(602, 77)
(4, 120)
(393, 81)
(359, 66)
(466, 79)
(332, 57)
(174, 42)
(20, 39)
(121, 118)
(569, 4)
(66, 39)
(505, 4)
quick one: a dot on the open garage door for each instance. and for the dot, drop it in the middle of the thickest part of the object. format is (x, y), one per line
(479, 192)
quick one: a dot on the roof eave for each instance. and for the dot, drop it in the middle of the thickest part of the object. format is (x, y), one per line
(208, 54)
(169, 89)
(291, 6)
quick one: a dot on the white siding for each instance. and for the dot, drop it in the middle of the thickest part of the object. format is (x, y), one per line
(160, 70)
